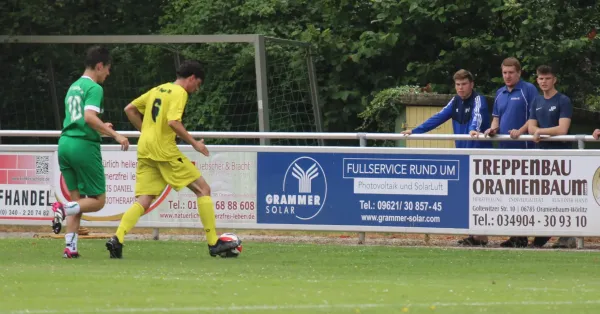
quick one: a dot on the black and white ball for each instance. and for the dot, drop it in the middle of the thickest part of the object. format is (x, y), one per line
(228, 237)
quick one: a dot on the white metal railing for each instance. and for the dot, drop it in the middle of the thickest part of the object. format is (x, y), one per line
(323, 135)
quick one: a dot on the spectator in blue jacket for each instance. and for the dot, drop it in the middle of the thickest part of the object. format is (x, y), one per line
(468, 111)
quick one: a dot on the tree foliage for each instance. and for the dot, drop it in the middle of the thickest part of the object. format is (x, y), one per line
(79, 17)
(385, 107)
(360, 47)
(36, 72)
(231, 67)
(479, 36)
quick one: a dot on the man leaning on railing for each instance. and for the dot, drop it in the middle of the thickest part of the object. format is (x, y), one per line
(468, 111)
(550, 114)
(510, 116)
(470, 115)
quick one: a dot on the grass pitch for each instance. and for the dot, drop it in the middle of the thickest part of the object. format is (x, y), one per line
(180, 277)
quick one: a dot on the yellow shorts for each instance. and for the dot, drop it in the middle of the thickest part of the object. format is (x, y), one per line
(153, 176)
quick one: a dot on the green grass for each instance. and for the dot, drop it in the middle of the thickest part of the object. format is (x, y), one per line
(180, 277)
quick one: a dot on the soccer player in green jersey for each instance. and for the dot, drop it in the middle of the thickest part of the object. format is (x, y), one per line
(79, 156)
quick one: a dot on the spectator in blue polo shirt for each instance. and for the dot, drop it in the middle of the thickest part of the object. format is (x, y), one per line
(468, 111)
(510, 116)
(511, 106)
(550, 115)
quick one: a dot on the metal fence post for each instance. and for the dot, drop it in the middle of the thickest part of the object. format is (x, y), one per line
(314, 94)
(53, 95)
(262, 92)
(155, 234)
(580, 145)
(362, 137)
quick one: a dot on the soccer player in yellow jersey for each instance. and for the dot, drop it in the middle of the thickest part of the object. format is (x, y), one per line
(157, 114)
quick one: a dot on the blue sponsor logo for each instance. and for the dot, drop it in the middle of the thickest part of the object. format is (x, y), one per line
(303, 192)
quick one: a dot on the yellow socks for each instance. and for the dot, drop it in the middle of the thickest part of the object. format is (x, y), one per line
(129, 219)
(207, 217)
(205, 210)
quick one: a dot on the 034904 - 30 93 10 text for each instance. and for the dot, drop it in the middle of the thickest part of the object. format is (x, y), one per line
(529, 220)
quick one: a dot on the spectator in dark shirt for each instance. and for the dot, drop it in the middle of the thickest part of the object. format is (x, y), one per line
(550, 115)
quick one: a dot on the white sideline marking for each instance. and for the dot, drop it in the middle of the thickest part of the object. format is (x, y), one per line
(169, 278)
(366, 281)
(245, 308)
(556, 289)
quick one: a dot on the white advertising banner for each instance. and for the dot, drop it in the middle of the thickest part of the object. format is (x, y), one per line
(491, 192)
(535, 194)
(31, 182)
(231, 176)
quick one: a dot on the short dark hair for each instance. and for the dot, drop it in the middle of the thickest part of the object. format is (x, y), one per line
(545, 70)
(190, 67)
(95, 55)
(463, 74)
(512, 62)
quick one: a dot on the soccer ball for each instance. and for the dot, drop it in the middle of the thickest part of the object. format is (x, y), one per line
(235, 252)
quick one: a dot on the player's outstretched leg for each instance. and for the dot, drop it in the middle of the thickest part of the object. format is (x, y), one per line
(207, 217)
(115, 244)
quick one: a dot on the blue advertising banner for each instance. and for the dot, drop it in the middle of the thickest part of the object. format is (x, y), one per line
(429, 191)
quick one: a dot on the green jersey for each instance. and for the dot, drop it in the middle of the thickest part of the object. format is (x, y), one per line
(83, 94)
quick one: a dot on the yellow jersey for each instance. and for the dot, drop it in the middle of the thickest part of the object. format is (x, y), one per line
(160, 105)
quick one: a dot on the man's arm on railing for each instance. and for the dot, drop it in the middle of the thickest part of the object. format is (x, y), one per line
(561, 129)
(434, 121)
(533, 123)
(533, 126)
(522, 130)
(494, 126)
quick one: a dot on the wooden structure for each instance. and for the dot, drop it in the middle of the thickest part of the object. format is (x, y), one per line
(418, 108)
